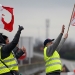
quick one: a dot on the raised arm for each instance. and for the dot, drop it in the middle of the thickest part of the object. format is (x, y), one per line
(62, 42)
(9, 47)
(52, 48)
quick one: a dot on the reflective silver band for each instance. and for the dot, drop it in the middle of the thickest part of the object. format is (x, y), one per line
(53, 64)
(8, 60)
(53, 59)
(8, 66)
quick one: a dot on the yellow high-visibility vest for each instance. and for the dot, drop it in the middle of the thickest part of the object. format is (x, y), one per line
(53, 62)
(10, 62)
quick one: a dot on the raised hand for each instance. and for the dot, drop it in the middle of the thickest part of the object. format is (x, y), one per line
(21, 28)
(63, 28)
(66, 35)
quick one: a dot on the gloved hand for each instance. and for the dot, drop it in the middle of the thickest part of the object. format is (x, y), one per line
(20, 28)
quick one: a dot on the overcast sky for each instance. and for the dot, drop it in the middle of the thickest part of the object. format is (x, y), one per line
(32, 14)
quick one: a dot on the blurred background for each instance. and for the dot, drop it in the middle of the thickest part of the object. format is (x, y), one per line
(41, 19)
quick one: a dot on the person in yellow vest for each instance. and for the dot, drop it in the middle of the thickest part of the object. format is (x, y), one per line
(18, 52)
(8, 64)
(51, 54)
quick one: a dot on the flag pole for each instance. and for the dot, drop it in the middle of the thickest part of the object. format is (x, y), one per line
(70, 19)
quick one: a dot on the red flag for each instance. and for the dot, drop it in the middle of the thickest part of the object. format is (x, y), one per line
(72, 21)
(3, 23)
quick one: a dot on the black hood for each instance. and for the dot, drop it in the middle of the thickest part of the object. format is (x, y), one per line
(1, 39)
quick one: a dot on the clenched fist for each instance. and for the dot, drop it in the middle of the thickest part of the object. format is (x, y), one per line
(23, 49)
(63, 28)
(21, 28)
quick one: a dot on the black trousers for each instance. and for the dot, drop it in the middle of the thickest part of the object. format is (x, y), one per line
(6, 73)
(53, 73)
(9, 73)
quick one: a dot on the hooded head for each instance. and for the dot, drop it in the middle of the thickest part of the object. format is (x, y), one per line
(2, 39)
(5, 38)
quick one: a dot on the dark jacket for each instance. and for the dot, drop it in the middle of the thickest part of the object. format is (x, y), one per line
(17, 53)
(7, 48)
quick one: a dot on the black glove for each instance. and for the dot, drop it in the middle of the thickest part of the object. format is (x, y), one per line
(21, 28)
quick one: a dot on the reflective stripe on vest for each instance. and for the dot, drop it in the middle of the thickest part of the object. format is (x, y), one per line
(9, 66)
(52, 59)
(10, 62)
(53, 62)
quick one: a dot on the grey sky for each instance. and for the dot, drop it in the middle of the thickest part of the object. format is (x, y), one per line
(33, 13)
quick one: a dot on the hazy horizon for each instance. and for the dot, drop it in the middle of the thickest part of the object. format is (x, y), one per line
(32, 14)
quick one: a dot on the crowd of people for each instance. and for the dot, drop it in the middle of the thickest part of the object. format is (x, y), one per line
(10, 53)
